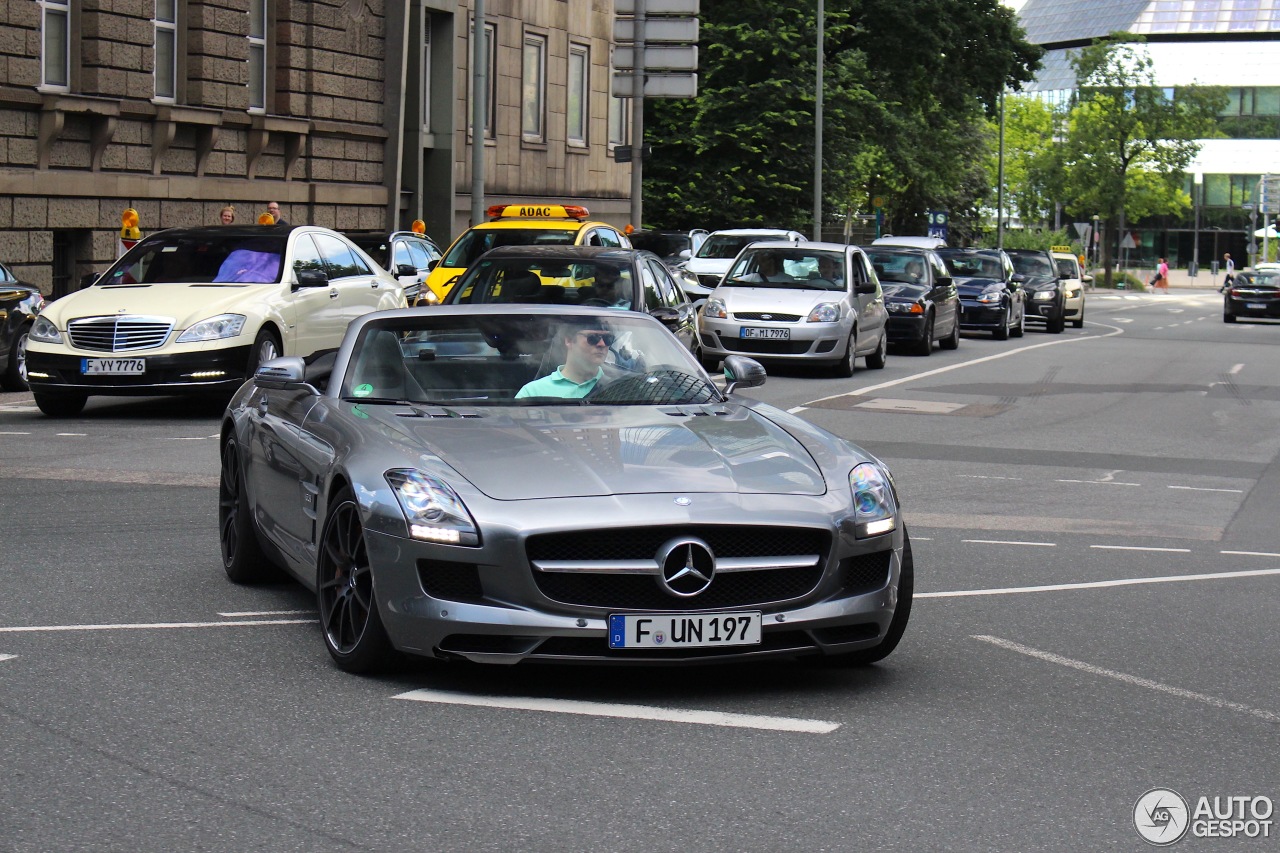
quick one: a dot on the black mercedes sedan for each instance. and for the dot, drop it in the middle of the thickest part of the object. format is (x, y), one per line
(19, 304)
(1046, 301)
(991, 297)
(598, 276)
(1252, 294)
(920, 296)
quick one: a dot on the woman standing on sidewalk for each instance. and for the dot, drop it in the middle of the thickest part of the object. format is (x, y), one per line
(1162, 276)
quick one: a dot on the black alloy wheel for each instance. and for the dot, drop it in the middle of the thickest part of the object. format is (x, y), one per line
(15, 376)
(924, 346)
(242, 556)
(349, 617)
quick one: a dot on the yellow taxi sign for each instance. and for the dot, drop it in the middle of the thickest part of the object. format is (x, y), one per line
(1066, 249)
(538, 211)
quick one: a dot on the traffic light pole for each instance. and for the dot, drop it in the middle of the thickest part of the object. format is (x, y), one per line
(637, 122)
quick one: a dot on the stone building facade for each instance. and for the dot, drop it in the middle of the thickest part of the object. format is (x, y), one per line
(352, 114)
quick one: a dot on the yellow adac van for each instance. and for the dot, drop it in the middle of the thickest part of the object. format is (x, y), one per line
(522, 225)
(196, 310)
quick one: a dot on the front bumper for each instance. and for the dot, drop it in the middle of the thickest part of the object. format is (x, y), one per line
(490, 605)
(807, 341)
(981, 315)
(905, 328)
(165, 374)
(1044, 311)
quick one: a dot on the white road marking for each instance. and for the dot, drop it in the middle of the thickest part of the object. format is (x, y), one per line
(1140, 548)
(921, 406)
(950, 367)
(1099, 482)
(148, 626)
(7, 657)
(1198, 489)
(986, 477)
(1233, 371)
(1251, 553)
(1128, 679)
(1062, 587)
(1010, 542)
(626, 712)
(246, 613)
(71, 434)
(1121, 319)
(187, 438)
(15, 433)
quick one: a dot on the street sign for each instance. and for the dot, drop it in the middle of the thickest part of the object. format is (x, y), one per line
(662, 57)
(623, 153)
(657, 7)
(657, 30)
(938, 220)
(1128, 242)
(1083, 229)
(656, 85)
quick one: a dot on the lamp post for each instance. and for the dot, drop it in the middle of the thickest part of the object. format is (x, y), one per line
(1097, 239)
(1198, 190)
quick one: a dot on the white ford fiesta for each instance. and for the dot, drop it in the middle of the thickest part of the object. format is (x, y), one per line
(195, 310)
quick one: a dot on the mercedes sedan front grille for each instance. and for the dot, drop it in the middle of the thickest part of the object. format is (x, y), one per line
(122, 333)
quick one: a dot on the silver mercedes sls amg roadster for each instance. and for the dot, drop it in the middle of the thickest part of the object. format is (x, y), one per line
(500, 483)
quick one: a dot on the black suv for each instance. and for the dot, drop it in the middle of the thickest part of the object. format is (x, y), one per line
(407, 255)
(1046, 302)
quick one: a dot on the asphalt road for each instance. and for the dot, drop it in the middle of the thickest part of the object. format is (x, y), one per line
(1098, 592)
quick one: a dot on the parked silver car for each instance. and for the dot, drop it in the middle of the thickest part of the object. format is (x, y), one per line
(503, 482)
(807, 302)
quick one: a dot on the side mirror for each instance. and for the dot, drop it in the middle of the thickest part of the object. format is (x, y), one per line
(666, 315)
(943, 281)
(742, 372)
(1086, 278)
(866, 287)
(88, 279)
(685, 253)
(287, 373)
(433, 264)
(406, 269)
(1018, 278)
(312, 278)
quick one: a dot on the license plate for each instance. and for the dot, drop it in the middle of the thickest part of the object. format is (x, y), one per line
(1256, 306)
(113, 366)
(683, 631)
(767, 334)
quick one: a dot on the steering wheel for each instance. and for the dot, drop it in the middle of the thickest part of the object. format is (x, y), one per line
(595, 302)
(656, 386)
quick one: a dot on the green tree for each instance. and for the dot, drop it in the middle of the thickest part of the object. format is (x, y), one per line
(1129, 141)
(1033, 166)
(906, 81)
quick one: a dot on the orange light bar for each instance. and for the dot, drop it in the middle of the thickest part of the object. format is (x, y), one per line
(418, 227)
(266, 219)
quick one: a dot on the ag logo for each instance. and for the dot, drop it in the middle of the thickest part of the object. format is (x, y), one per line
(1161, 816)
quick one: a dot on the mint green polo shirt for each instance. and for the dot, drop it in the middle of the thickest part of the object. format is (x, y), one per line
(556, 385)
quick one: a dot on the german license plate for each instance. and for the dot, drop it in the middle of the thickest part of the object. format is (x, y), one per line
(767, 334)
(1256, 306)
(683, 630)
(113, 366)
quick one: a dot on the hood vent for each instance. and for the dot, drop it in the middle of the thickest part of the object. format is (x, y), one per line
(438, 412)
(694, 411)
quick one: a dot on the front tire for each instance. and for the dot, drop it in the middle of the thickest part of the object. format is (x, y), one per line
(352, 626)
(898, 625)
(845, 367)
(242, 556)
(1020, 329)
(1228, 318)
(952, 341)
(924, 346)
(1002, 333)
(876, 360)
(60, 405)
(1079, 322)
(266, 346)
(15, 376)
(1058, 323)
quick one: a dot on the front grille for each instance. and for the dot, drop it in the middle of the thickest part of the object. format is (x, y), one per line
(124, 333)
(450, 581)
(865, 572)
(760, 315)
(847, 633)
(598, 647)
(756, 587)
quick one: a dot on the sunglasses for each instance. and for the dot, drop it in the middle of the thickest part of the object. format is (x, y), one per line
(594, 338)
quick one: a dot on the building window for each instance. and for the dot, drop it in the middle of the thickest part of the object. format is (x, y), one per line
(617, 114)
(1164, 16)
(1244, 15)
(533, 88)
(166, 49)
(490, 79)
(579, 94)
(257, 55)
(55, 24)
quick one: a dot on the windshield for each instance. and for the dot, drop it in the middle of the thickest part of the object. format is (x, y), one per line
(559, 281)
(727, 246)
(973, 266)
(476, 242)
(202, 259)
(1067, 267)
(905, 267)
(483, 359)
(1032, 265)
(662, 245)
(788, 269)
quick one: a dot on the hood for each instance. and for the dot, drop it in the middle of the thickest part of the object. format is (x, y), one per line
(186, 303)
(523, 454)
(899, 290)
(780, 300)
(1038, 282)
(708, 266)
(974, 286)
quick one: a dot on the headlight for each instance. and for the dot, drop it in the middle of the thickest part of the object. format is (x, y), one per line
(1044, 295)
(875, 509)
(715, 308)
(1072, 294)
(433, 511)
(43, 330)
(826, 312)
(213, 329)
(990, 297)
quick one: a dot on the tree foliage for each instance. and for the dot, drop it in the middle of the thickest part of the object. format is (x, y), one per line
(906, 83)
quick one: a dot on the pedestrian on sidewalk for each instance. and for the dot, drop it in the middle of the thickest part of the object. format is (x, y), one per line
(1162, 276)
(1230, 266)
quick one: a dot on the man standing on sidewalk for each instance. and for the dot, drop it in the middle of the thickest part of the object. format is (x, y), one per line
(1230, 267)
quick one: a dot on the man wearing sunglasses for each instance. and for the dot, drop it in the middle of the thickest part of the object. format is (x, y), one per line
(586, 348)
